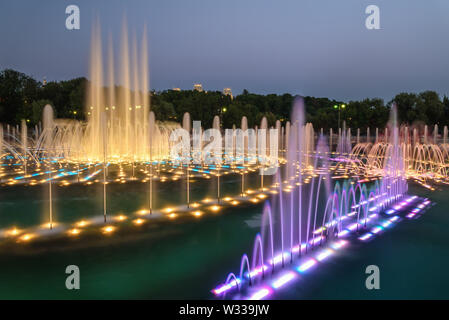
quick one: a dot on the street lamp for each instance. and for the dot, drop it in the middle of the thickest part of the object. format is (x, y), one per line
(339, 107)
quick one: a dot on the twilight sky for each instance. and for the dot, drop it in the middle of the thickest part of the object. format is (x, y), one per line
(310, 47)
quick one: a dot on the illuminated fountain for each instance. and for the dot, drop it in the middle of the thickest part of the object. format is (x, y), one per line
(308, 220)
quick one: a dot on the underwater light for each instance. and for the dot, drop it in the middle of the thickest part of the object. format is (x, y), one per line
(324, 254)
(258, 271)
(215, 208)
(394, 219)
(197, 213)
(108, 229)
(306, 265)
(121, 217)
(283, 280)
(366, 236)
(138, 221)
(143, 212)
(172, 215)
(82, 223)
(13, 232)
(226, 287)
(74, 232)
(376, 229)
(262, 293)
(339, 244)
(48, 225)
(27, 237)
(343, 233)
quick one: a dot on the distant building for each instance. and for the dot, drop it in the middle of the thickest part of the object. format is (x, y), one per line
(228, 92)
(198, 87)
(176, 89)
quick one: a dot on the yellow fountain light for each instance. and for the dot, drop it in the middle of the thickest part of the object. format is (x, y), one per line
(121, 217)
(74, 232)
(261, 196)
(143, 212)
(82, 223)
(172, 215)
(26, 237)
(49, 225)
(108, 229)
(13, 232)
(168, 210)
(195, 205)
(215, 208)
(234, 202)
(138, 221)
(254, 200)
(197, 213)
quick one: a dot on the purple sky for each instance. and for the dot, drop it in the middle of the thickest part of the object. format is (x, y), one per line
(317, 47)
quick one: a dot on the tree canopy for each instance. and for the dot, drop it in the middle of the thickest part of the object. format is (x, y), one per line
(22, 97)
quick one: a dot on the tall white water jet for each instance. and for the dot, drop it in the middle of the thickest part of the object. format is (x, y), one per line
(262, 147)
(368, 138)
(358, 135)
(216, 126)
(47, 133)
(445, 135)
(151, 134)
(104, 132)
(425, 134)
(330, 140)
(24, 139)
(415, 137)
(435, 134)
(48, 123)
(186, 123)
(278, 128)
(244, 128)
(377, 135)
(287, 135)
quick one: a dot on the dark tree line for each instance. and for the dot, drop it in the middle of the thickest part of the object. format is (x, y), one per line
(22, 97)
